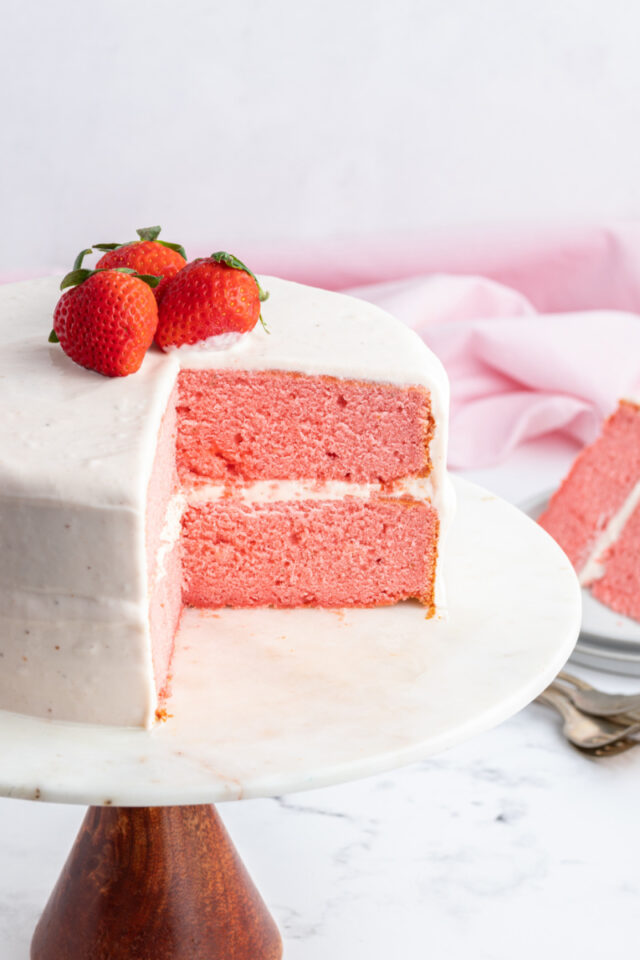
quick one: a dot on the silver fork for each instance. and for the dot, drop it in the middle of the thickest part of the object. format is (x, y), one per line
(586, 732)
(609, 749)
(624, 706)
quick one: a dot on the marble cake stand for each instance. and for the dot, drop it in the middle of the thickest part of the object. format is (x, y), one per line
(268, 702)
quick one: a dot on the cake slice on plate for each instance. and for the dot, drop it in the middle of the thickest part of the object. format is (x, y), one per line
(595, 514)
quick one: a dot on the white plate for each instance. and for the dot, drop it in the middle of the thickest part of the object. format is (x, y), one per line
(608, 641)
(273, 701)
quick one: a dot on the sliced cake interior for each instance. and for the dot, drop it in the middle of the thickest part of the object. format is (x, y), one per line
(294, 490)
(595, 514)
(285, 490)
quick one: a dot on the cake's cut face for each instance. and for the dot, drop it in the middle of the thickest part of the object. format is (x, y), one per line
(292, 490)
(289, 485)
(594, 515)
(305, 467)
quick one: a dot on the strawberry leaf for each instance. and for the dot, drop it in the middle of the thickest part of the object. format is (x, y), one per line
(149, 233)
(53, 337)
(106, 246)
(75, 277)
(149, 279)
(174, 246)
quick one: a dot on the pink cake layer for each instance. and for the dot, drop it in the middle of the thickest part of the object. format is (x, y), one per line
(597, 485)
(350, 552)
(619, 588)
(278, 426)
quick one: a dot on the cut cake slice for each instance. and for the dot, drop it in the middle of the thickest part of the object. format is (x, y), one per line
(595, 514)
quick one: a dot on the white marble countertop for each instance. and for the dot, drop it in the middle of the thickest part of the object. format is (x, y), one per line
(510, 845)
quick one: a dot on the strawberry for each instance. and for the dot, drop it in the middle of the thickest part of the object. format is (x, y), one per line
(148, 255)
(107, 319)
(211, 295)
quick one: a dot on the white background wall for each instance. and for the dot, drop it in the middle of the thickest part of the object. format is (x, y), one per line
(280, 120)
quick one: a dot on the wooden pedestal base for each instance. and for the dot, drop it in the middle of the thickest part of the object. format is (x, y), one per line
(155, 883)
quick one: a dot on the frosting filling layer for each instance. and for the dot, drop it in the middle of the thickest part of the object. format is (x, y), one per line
(594, 568)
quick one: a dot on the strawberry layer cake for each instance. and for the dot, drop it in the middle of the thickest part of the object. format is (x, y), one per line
(595, 515)
(300, 466)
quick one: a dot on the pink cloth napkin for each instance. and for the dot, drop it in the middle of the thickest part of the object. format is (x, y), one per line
(515, 374)
(534, 324)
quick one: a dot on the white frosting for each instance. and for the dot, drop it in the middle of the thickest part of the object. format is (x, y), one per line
(77, 454)
(221, 341)
(594, 568)
(273, 491)
(169, 535)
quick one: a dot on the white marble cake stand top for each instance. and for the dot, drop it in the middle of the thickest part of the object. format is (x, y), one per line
(268, 702)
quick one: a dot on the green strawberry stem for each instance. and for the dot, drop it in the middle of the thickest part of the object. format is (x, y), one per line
(77, 263)
(149, 233)
(261, 318)
(230, 261)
